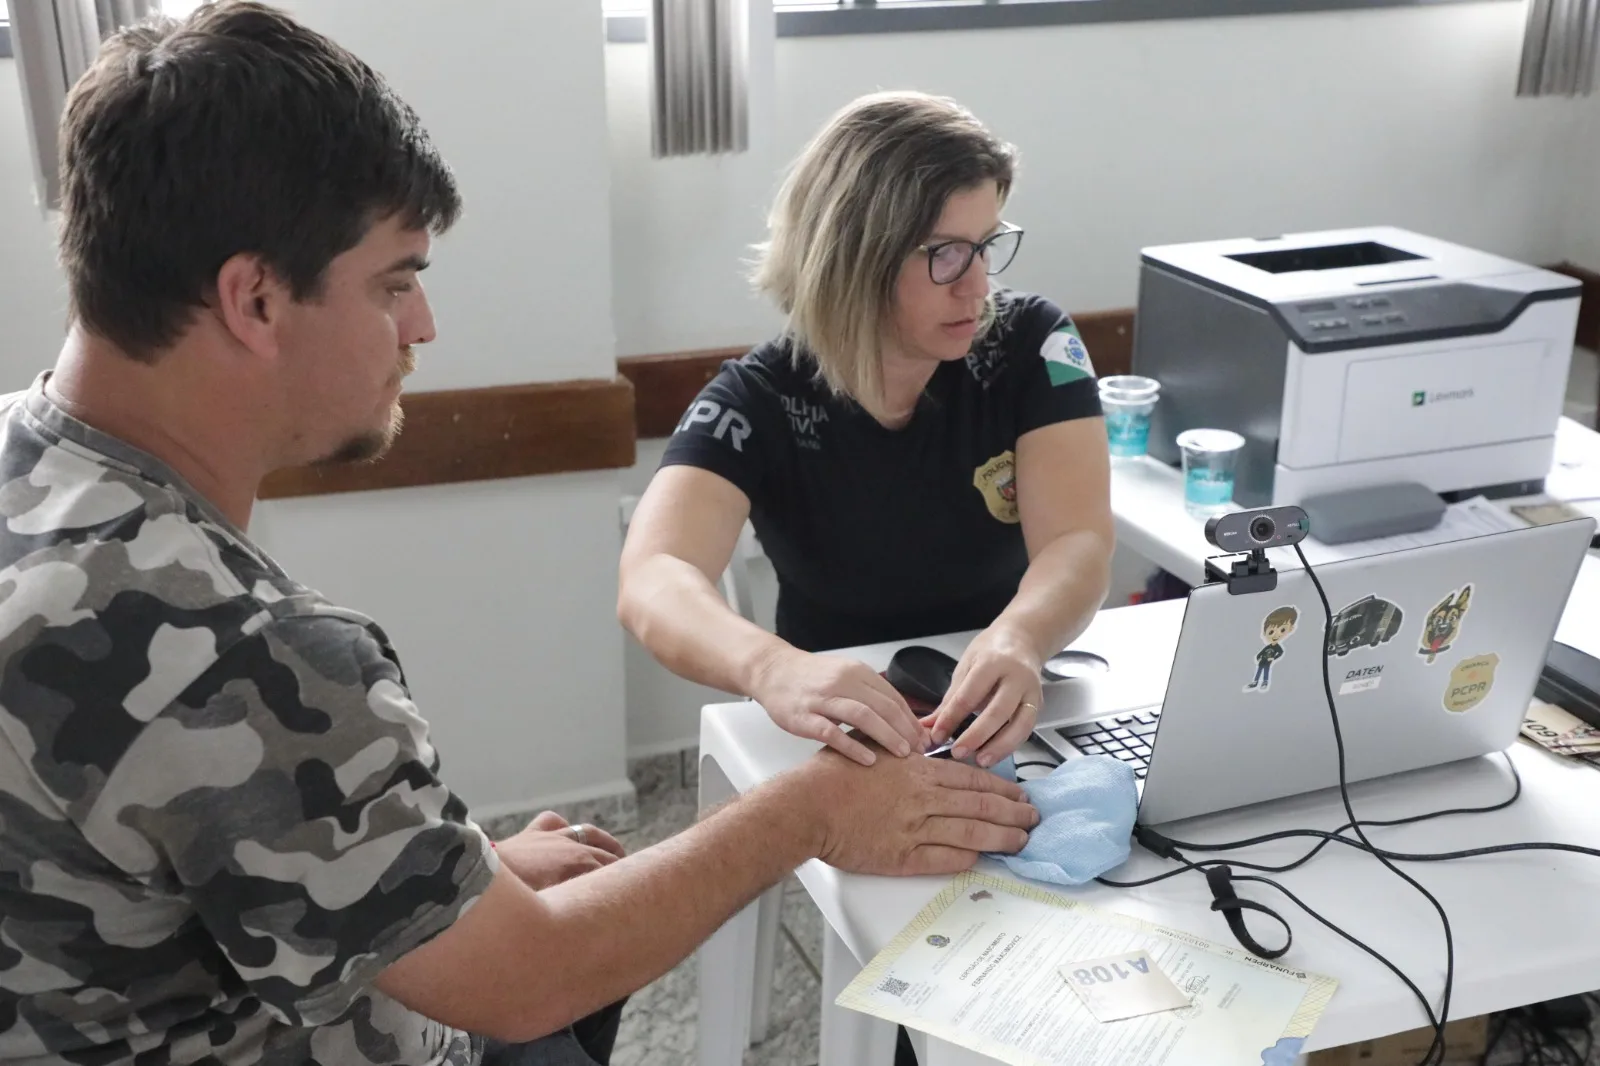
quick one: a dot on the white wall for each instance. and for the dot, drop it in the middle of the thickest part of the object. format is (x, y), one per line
(1131, 134)
(500, 595)
(515, 102)
(33, 298)
(1581, 205)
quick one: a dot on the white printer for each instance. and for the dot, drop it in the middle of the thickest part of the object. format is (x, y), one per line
(1355, 358)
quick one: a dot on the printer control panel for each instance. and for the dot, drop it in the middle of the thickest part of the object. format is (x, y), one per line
(1357, 312)
(1394, 316)
(1350, 314)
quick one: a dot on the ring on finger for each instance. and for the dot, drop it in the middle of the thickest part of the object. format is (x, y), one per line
(579, 833)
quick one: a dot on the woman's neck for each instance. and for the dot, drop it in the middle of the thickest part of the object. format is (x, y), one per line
(905, 379)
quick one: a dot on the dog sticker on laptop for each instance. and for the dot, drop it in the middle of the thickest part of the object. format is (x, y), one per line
(1442, 627)
(1276, 628)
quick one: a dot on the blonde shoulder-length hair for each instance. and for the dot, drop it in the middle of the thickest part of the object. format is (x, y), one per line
(860, 199)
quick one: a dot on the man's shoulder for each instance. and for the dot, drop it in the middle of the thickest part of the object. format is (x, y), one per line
(122, 595)
(11, 401)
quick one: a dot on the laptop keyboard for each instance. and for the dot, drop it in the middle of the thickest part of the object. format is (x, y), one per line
(1126, 737)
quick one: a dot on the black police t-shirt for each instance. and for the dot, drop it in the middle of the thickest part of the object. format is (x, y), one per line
(880, 534)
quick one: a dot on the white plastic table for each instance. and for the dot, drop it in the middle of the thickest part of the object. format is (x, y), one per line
(1513, 915)
(1147, 499)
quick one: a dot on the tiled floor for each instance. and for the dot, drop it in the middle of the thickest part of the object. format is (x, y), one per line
(658, 1027)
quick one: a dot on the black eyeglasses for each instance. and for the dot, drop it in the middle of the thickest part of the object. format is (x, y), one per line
(949, 260)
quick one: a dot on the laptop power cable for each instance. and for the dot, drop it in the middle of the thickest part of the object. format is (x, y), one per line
(1222, 878)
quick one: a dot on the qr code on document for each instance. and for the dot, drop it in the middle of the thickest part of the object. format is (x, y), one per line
(894, 986)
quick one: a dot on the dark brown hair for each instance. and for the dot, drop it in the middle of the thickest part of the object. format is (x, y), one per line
(236, 131)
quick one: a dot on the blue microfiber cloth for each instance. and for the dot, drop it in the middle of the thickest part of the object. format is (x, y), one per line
(1086, 812)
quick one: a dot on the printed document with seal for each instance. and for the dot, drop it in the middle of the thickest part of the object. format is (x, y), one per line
(1029, 977)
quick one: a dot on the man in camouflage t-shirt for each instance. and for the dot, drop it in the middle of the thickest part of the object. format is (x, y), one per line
(223, 836)
(220, 807)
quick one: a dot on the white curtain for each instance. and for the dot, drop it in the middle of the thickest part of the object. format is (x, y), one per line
(1559, 48)
(700, 76)
(55, 41)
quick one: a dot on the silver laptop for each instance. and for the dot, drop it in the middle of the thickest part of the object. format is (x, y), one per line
(1434, 653)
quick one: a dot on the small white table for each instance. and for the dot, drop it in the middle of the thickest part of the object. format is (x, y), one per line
(1147, 499)
(1509, 951)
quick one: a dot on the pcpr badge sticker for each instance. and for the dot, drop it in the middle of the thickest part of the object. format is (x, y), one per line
(1471, 681)
(1275, 629)
(1442, 627)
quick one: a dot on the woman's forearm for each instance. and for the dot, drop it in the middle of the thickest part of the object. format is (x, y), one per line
(678, 615)
(1064, 587)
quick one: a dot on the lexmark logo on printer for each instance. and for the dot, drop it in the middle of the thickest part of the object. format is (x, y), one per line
(1420, 398)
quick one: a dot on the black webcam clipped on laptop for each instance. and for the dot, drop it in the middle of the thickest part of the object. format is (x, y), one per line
(1251, 533)
(1266, 527)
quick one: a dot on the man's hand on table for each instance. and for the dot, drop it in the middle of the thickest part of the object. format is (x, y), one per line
(548, 851)
(908, 816)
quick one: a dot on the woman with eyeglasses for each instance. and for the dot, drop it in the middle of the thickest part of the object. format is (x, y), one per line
(919, 452)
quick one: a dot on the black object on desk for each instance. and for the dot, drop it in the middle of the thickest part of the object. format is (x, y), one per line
(1571, 680)
(923, 674)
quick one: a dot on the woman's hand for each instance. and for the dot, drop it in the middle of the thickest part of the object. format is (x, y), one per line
(998, 680)
(814, 696)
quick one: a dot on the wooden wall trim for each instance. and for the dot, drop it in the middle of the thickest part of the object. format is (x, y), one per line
(1589, 307)
(564, 426)
(1109, 337)
(664, 385)
(480, 434)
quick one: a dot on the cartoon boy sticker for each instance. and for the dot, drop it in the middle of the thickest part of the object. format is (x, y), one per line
(1443, 624)
(1274, 630)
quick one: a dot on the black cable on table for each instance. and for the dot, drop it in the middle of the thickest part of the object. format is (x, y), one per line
(1540, 1039)
(1436, 1051)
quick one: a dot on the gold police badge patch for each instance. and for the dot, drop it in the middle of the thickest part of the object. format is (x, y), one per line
(997, 480)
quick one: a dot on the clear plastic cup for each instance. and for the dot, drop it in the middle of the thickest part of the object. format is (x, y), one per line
(1210, 458)
(1127, 401)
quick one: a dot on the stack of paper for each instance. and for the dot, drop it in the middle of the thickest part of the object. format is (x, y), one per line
(1558, 731)
(1032, 978)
